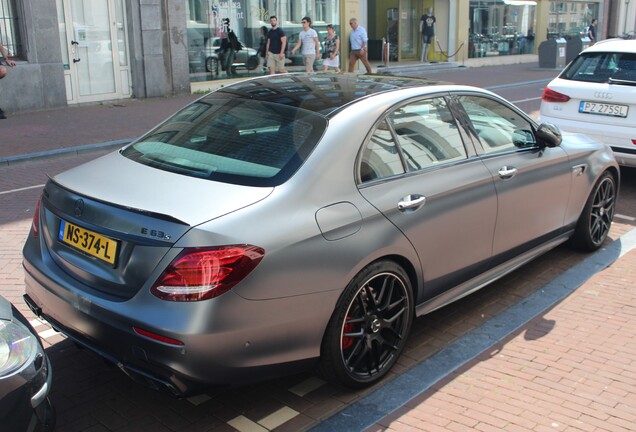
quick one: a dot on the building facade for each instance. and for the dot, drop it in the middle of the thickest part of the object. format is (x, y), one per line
(75, 51)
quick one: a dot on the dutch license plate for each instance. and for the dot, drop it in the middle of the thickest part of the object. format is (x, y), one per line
(603, 109)
(88, 241)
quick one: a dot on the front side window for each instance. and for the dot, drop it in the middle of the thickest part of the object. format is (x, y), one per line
(499, 128)
(427, 134)
(413, 137)
(236, 141)
(602, 67)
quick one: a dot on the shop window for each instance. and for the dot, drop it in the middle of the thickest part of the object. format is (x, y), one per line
(197, 9)
(9, 28)
(502, 27)
(570, 21)
(321, 10)
(206, 31)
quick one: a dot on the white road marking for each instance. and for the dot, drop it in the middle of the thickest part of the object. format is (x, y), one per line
(526, 100)
(21, 189)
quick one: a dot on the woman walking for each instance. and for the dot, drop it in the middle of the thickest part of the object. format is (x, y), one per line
(331, 57)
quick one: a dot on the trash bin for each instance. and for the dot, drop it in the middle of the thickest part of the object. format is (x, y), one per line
(574, 46)
(375, 49)
(552, 53)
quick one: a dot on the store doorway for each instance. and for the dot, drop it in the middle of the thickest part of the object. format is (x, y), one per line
(94, 45)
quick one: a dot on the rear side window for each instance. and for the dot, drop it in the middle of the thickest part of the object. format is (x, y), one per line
(380, 156)
(236, 141)
(601, 67)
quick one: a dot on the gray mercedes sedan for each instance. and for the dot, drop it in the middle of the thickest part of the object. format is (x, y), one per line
(290, 221)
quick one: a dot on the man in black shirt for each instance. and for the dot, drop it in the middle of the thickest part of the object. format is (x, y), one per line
(276, 42)
(591, 31)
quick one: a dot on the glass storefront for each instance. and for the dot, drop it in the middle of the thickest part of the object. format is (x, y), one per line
(501, 27)
(206, 32)
(571, 19)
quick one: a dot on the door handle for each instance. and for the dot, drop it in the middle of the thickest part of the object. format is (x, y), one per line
(411, 202)
(74, 46)
(506, 172)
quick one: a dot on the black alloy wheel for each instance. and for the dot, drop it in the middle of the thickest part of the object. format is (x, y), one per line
(597, 216)
(369, 328)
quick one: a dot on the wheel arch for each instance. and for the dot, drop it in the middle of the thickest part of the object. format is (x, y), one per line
(617, 176)
(408, 267)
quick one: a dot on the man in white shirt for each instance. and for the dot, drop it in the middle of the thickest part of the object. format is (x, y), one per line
(358, 39)
(308, 38)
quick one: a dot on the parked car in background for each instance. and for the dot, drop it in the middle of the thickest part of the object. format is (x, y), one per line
(300, 219)
(246, 58)
(596, 95)
(25, 375)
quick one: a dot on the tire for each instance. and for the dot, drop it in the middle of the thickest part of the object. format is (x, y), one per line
(252, 63)
(595, 221)
(212, 65)
(369, 327)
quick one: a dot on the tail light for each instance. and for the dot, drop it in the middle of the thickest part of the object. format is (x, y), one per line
(550, 95)
(204, 273)
(35, 224)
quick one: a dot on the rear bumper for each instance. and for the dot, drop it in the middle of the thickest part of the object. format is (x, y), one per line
(619, 138)
(230, 341)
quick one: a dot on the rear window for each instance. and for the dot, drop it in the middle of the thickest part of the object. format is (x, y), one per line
(602, 67)
(236, 141)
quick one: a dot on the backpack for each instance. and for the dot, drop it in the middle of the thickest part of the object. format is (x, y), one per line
(234, 42)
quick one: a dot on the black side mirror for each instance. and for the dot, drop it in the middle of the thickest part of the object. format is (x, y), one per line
(549, 135)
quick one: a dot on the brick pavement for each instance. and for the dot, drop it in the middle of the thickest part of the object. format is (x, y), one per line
(573, 368)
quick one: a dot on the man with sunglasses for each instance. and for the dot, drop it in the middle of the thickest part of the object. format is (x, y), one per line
(308, 38)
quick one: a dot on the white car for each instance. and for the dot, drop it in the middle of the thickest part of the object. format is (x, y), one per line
(596, 95)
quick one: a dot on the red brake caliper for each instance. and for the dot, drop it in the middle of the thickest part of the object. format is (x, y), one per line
(347, 341)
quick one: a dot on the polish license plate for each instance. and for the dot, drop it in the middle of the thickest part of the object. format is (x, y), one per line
(88, 242)
(603, 109)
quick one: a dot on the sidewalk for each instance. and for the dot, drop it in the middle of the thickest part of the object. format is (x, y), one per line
(50, 132)
(570, 369)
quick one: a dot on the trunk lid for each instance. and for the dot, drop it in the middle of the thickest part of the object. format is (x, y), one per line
(110, 222)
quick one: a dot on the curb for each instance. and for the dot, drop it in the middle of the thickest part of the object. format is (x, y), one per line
(70, 151)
